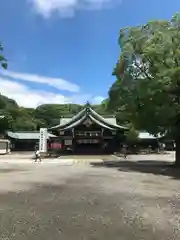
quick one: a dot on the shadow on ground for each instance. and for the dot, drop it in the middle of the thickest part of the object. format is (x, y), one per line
(70, 212)
(11, 170)
(148, 166)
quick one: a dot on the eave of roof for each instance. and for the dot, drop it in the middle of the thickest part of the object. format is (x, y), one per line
(70, 122)
(4, 140)
(104, 120)
(101, 124)
(74, 123)
(27, 135)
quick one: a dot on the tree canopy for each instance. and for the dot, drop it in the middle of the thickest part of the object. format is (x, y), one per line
(147, 90)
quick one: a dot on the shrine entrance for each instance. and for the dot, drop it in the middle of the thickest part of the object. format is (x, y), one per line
(88, 146)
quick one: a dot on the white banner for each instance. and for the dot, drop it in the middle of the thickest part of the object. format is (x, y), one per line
(43, 140)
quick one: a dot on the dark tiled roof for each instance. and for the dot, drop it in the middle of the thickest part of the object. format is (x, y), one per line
(26, 135)
(66, 123)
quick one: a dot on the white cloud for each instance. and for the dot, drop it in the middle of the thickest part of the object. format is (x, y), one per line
(28, 97)
(57, 83)
(97, 99)
(68, 7)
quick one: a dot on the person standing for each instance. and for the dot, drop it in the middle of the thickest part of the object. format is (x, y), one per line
(124, 151)
(37, 155)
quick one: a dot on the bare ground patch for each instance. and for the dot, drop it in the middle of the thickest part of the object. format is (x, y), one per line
(55, 202)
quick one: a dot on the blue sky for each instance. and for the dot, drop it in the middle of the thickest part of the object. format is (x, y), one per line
(65, 50)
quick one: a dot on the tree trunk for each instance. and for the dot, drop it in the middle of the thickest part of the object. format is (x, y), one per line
(177, 155)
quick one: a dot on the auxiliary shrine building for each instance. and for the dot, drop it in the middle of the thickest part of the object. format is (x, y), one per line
(89, 132)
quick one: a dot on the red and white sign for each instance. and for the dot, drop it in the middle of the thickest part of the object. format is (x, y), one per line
(55, 145)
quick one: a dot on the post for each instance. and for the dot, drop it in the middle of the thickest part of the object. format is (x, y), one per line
(43, 140)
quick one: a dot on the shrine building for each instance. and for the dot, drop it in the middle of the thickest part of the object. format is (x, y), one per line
(89, 132)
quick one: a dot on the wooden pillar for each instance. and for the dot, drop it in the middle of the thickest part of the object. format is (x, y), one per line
(73, 135)
(102, 132)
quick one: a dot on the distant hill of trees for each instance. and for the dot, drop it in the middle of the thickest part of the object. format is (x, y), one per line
(28, 119)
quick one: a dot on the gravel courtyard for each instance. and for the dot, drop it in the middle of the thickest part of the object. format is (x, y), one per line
(112, 200)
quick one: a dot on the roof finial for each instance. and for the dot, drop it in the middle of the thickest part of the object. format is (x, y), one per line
(88, 104)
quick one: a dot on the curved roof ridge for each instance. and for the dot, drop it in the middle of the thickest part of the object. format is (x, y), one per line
(79, 114)
(104, 120)
(72, 120)
(74, 123)
(99, 123)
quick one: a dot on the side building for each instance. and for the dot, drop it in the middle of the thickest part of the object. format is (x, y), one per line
(25, 141)
(89, 132)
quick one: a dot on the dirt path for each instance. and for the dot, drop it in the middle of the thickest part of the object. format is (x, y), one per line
(87, 202)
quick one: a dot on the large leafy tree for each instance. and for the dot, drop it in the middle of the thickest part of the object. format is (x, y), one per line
(101, 108)
(131, 135)
(148, 71)
(118, 102)
(6, 121)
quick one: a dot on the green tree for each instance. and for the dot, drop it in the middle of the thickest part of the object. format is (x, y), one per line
(51, 113)
(132, 134)
(6, 121)
(119, 101)
(114, 96)
(24, 124)
(149, 70)
(100, 108)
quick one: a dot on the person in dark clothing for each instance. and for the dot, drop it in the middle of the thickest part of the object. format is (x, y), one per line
(37, 156)
(124, 151)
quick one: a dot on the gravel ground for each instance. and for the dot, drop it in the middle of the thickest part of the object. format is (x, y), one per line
(122, 200)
